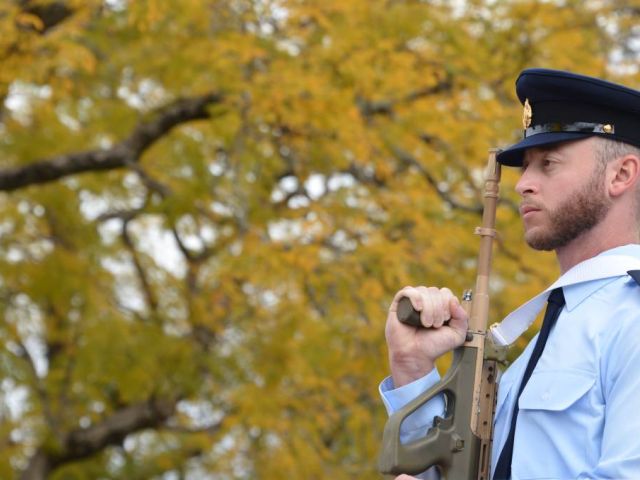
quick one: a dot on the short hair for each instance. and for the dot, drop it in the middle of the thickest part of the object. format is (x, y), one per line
(607, 150)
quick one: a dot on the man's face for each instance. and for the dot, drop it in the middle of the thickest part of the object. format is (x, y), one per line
(563, 194)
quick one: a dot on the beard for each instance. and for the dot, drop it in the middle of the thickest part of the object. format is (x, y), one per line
(577, 214)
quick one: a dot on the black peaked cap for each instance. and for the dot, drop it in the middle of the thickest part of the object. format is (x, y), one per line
(562, 106)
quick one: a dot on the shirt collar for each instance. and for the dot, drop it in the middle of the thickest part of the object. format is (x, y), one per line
(578, 292)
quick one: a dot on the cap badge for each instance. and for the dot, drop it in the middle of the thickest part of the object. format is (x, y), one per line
(527, 114)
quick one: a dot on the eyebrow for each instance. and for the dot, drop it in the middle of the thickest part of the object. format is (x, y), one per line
(542, 150)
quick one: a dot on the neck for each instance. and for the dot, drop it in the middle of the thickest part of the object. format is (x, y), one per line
(606, 235)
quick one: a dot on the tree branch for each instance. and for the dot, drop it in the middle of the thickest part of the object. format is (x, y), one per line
(149, 295)
(408, 159)
(370, 108)
(120, 155)
(50, 14)
(82, 443)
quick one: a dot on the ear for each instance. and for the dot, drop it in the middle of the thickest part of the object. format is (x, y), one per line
(625, 173)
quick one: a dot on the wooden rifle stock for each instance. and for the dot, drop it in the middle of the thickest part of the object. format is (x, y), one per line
(459, 443)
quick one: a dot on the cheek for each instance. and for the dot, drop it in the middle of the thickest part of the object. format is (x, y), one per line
(556, 189)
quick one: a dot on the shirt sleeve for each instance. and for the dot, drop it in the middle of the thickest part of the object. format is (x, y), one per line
(417, 424)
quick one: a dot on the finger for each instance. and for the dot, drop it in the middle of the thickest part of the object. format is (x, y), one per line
(439, 310)
(441, 306)
(411, 293)
(430, 304)
(445, 311)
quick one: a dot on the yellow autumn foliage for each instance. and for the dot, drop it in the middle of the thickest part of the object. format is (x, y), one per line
(233, 278)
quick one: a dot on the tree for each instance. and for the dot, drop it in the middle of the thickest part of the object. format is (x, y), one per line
(208, 205)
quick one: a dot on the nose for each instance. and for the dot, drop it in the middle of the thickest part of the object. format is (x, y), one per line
(527, 184)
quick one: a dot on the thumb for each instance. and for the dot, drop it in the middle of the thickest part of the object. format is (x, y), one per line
(459, 318)
(457, 312)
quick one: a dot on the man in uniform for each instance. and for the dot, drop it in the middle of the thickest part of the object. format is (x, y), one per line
(568, 406)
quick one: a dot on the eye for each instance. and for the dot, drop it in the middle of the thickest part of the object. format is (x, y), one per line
(547, 162)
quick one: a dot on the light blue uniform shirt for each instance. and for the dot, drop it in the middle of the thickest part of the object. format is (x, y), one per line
(580, 411)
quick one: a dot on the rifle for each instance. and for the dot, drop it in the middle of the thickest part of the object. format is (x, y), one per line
(459, 443)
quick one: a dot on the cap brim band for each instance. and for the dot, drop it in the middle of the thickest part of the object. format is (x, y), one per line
(513, 155)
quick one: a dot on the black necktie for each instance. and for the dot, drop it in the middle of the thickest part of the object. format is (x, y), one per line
(554, 307)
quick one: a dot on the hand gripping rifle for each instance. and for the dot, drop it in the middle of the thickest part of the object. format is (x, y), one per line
(459, 443)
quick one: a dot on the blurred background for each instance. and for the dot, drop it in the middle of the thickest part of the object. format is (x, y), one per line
(206, 207)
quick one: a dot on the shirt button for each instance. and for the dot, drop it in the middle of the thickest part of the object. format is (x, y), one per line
(546, 396)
